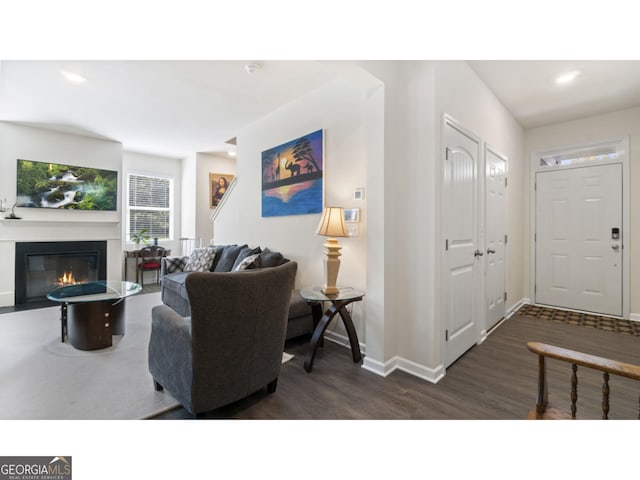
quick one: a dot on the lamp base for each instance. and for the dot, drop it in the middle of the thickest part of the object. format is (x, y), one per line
(329, 290)
(331, 266)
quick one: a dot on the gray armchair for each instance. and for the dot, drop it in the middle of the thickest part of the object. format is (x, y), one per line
(232, 344)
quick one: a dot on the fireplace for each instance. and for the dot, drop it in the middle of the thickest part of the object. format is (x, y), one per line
(43, 266)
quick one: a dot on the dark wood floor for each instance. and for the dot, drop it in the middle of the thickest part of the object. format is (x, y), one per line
(495, 380)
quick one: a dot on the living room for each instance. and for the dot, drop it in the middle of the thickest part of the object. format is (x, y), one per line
(382, 121)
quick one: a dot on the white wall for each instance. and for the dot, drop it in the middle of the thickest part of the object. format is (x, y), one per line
(208, 163)
(338, 108)
(189, 196)
(145, 164)
(462, 94)
(588, 130)
(19, 141)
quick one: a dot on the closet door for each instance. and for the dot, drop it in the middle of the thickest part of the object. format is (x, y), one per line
(462, 282)
(495, 214)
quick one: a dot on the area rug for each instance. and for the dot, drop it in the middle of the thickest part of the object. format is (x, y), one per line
(43, 378)
(590, 320)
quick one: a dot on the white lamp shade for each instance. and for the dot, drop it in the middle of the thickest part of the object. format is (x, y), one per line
(332, 223)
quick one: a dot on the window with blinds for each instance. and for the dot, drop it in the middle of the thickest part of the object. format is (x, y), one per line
(149, 205)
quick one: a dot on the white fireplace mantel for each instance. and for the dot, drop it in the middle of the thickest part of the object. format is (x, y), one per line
(32, 230)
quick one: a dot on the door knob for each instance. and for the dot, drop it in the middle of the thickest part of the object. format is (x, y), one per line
(490, 250)
(615, 246)
(478, 253)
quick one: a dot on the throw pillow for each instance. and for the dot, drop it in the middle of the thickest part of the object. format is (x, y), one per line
(228, 257)
(200, 260)
(217, 250)
(269, 258)
(174, 264)
(246, 263)
(244, 253)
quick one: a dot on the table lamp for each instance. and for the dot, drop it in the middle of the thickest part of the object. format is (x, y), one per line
(332, 225)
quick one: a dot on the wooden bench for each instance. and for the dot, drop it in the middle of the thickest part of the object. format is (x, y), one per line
(605, 365)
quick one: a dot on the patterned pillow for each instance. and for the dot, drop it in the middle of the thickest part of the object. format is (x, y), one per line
(200, 260)
(246, 262)
(174, 264)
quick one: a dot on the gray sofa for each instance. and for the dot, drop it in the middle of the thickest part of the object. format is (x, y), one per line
(229, 258)
(231, 345)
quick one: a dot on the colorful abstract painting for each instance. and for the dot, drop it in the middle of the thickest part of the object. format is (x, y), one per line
(292, 176)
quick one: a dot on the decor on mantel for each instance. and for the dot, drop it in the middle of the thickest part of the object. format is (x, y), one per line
(292, 177)
(12, 215)
(332, 225)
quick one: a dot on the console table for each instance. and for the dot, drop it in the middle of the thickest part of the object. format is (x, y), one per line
(314, 297)
(136, 254)
(92, 312)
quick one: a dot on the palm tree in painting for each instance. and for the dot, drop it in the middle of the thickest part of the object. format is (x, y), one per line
(302, 151)
(269, 172)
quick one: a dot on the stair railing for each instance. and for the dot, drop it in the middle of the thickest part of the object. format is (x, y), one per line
(605, 365)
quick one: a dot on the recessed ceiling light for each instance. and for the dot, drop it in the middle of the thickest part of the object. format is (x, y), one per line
(73, 77)
(567, 77)
(252, 68)
(231, 153)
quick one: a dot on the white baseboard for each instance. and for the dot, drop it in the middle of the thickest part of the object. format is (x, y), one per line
(399, 363)
(343, 341)
(396, 363)
(634, 317)
(7, 299)
(516, 307)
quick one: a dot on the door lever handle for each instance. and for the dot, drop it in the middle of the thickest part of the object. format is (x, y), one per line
(615, 246)
(490, 250)
(478, 253)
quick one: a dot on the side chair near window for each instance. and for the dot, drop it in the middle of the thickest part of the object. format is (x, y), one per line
(150, 259)
(232, 344)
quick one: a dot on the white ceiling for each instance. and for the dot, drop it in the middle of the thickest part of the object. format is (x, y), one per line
(529, 91)
(176, 108)
(171, 108)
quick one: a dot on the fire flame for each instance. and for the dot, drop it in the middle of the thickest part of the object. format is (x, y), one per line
(67, 279)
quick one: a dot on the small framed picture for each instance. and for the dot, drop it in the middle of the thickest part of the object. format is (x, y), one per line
(218, 184)
(351, 215)
(358, 194)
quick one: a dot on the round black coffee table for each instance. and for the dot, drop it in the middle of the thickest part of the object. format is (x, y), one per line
(92, 312)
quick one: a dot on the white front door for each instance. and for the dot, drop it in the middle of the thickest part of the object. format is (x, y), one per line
(495, 185)
(579, 239)
(461, 285)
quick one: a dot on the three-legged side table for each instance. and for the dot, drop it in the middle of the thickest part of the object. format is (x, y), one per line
(321, 320)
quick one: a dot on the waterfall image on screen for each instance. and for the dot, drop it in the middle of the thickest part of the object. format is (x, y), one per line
(54, 185)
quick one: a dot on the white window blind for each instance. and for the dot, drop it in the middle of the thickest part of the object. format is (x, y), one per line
(150, 206)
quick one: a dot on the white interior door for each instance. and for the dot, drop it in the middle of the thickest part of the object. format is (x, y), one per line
(579, 238)
(460, 227)
(495, 186)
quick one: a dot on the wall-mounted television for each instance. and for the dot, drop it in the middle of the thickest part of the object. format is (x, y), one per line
(55, 185)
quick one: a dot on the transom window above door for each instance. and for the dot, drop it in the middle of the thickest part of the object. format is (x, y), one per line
(589, 155)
